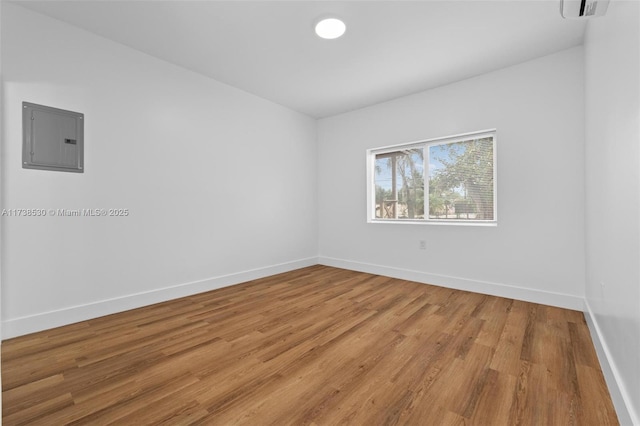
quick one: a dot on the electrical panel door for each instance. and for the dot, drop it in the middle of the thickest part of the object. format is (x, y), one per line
(53, 139)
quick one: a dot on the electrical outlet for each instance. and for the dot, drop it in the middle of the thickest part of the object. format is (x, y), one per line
(423, 245)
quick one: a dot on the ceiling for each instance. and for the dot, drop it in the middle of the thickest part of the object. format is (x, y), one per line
(390, 49)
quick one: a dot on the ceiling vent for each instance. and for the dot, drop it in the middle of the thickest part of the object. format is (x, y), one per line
(582, 9)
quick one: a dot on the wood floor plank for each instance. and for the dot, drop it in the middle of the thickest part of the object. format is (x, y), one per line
(509, 346)
(594, 409)
(315, 346)
(494, 399)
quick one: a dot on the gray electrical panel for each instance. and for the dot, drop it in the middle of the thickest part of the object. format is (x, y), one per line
(52, 139)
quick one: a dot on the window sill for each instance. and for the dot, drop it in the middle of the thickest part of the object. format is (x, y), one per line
(435, 222)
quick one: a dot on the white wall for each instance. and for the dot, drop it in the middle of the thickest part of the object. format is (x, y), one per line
(220, 183)
(612, 75)
(1, 189)
(537, 250)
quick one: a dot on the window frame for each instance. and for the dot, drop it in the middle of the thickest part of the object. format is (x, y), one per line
(425, 144)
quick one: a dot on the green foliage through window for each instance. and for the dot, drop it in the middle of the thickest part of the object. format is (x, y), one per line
(459, 176)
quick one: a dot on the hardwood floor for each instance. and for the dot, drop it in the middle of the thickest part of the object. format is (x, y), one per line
(319, 345)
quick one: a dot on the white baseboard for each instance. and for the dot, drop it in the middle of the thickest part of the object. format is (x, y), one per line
(29, 324)
(619, 395)
(494, 289)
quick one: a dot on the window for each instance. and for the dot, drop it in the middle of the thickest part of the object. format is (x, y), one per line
(444, 180)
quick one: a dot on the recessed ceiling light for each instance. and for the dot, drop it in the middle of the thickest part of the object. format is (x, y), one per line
(330, 28)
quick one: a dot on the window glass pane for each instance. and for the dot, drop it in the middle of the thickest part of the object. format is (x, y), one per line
(399, 184)
(461, 180)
